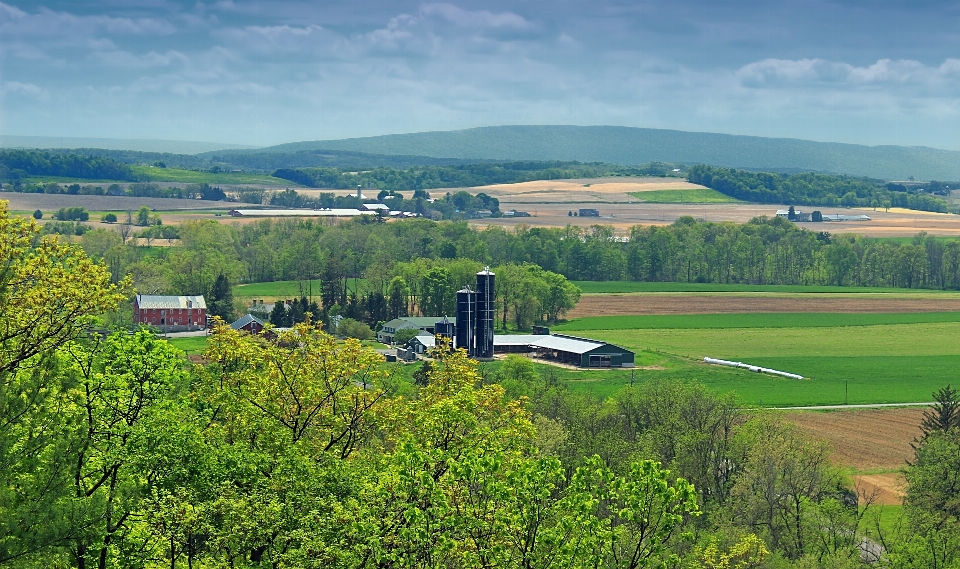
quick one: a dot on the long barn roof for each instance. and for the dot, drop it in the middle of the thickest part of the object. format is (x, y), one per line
(167, 302)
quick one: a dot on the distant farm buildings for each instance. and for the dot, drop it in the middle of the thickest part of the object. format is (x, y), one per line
(817, 216)
(170, 313)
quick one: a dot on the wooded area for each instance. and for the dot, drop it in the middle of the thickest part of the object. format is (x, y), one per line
(307, 451)
(813, 189)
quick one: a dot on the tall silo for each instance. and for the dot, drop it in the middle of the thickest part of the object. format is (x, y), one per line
(466, 319)
(444, 328)
(486, 299)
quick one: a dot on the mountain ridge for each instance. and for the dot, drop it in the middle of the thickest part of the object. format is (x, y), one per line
(635, 145)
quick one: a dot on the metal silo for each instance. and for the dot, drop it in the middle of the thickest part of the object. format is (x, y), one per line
(486, 298)
(466, 319)
(444, 328)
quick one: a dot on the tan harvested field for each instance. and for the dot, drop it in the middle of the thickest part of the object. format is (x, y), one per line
(867, 439)
(623, 216)
(735, 303)
(550, 201)
(597, 189)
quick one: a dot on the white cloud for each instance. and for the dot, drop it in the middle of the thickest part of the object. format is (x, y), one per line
(121, 58)
(475, 19)
(819, 73)
(48, 23)
(26, 89)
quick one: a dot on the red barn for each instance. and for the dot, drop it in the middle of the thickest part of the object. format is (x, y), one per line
(170, 313)
(248, 323)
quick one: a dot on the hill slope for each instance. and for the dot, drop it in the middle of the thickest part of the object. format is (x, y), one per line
(628, 145)
(141, 145)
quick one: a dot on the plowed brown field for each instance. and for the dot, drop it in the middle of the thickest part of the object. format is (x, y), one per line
(867, 439)
(623, 304)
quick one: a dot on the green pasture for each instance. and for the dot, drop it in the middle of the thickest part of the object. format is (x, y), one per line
(192, 346)
(752, 320)
(152, 174)
(901, 360)
(693, 195)
(610, 287)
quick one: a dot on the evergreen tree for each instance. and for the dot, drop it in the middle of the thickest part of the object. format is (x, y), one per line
(945, 413)
(220, 302)
(278, 316)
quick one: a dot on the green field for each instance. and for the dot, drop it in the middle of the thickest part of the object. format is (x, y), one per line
(152, 174)
(883, 358)
(753, 320)
(609, 287)
(192, 346)
(684, 196)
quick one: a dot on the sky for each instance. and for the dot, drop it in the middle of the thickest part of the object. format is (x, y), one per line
(268, 72)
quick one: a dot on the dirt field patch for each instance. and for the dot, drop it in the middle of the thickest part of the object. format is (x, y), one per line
(864, 438)
(639, 304)
(885, 489)
(867, 439)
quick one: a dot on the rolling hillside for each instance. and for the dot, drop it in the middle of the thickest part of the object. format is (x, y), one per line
(627, 145)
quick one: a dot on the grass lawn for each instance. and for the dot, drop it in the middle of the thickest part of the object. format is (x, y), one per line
(684, 196)
(197, 177)
(192, 346)
(608, 287)
(902, 360)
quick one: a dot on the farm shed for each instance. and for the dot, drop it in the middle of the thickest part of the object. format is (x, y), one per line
(298, 212)
(423, 342)
(515, 343)
(582, 352)
(426, 323)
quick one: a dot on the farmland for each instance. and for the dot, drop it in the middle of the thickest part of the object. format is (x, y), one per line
(735, 303)
(152, 174)
(607, 287)
(683, 196)
(854, 358)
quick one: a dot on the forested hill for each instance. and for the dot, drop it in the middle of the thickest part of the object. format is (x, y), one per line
(818, 189)
(627, 145)
(16, 164)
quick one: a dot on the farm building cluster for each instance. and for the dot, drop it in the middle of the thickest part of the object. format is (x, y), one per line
(472, 330)
(380, 209)
(817, 216)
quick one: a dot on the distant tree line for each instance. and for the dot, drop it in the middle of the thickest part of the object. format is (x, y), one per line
(202, 191)
(813, 189)
(17, 164)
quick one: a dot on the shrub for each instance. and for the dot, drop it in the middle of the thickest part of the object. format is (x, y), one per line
(353, 329)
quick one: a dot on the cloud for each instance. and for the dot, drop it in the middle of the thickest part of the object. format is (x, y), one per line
(475, 19)
(48, 23)
(812, 73)
(26, 89)
(121, 58)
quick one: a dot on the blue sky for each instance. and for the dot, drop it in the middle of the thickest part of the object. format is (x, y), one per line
(268, 72)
